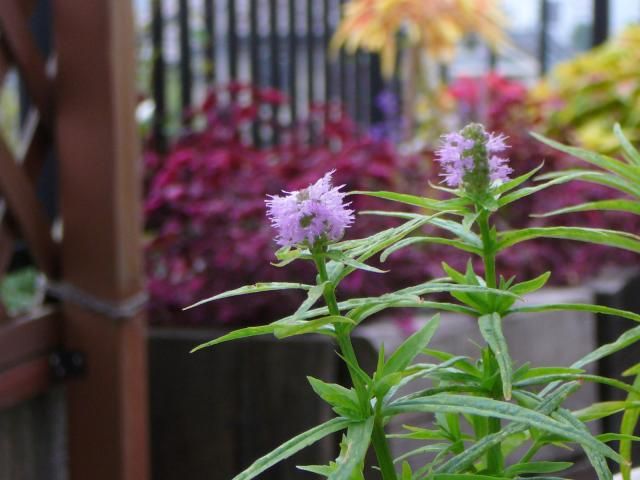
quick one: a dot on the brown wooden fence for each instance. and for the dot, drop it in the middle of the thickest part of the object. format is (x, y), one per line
(91, 333)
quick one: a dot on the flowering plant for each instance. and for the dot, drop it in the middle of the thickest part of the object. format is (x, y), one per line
(484, 409)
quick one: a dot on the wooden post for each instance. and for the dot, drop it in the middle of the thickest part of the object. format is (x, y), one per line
(101, 261)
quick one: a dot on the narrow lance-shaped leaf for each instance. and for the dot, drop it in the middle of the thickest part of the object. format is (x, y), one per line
(627, 428)
(411, 347)
(602, 161)
(478, 449)
(576, 307)
(631, 154)
(592, 176)
(357, 443)
(257, 288)
(422, 202)
(491, 329)
(617, 205)
(599, 236)
(293, 446)
(445, 403)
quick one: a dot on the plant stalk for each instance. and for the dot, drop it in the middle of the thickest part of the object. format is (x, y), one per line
(383, 453)
(488, 250)
(378, 438)
(495, 459)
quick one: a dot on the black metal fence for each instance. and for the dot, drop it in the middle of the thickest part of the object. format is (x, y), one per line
(192, 45)
(266, 43)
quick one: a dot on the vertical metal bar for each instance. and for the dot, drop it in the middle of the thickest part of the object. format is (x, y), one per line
(377, 86)
(186, 73)
(311, 42)
(254, 46)
(158, 72)
(209, 45)
(233, 41)
(543, 35)
(343, 62)
(361, 88)
(95, 45)
(600, 31)
(493, 59)
(254, 64)
(293, 62)
(274, 44)
(326, 33)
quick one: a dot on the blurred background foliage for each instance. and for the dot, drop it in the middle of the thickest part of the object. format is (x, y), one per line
(241, 138)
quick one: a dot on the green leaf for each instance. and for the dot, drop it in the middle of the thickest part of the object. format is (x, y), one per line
(617, 205)
(313, 295)
(323, 470)
(602, 161)
(436, 447)
(600, 236)
(466, 476)
(543, 379)
(356, 443)
(237, 334)
(257, 288)
(600, 410)
(596, 458)
(612, 437)
(576, 307)
(627, 428)
(537, 467)
(341, 257)
(516, 182)
(291, 329)
(629, 337)
(422, 202)
(553, 180)
(462, 364)
(467, 236)
(293, 446)
(530, 285)
(411, 347)
(591, 176)
(446, 403)
(491, 329)
(546, 371)
(478, 449)
(459, 244)
(419, 433)
(630, 153)
(343, 400)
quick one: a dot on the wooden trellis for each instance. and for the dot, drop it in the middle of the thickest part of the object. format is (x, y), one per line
(82, 102)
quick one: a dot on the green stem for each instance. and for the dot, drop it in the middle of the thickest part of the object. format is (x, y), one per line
(342, 334)
(383, 453)
(527, 457)
(488, 249)
(495, 459)
(343, 337)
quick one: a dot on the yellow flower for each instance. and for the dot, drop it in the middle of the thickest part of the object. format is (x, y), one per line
(435, 25)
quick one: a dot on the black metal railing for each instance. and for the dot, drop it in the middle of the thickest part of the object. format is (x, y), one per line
(198, 44)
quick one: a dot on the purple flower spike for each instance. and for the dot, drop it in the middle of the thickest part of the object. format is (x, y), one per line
(454, 158)
(315, 213)
(464, 160)
(499, 170)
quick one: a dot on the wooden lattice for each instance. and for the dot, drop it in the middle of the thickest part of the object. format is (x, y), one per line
(21, 213)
